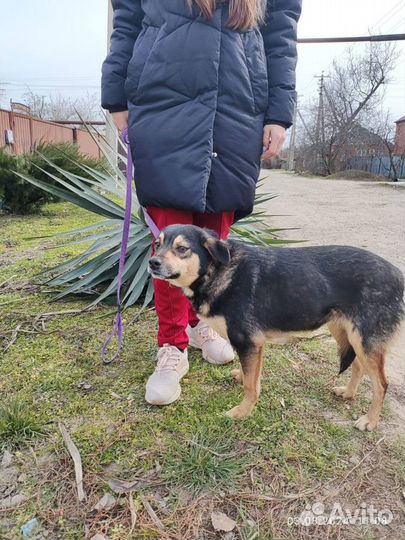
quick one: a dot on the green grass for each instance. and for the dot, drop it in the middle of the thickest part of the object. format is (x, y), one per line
(17, 422)
(299, 438)
(204, 463)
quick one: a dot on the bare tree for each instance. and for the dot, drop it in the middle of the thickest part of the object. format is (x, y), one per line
(348, 98)
(88, 107)
(382, 126)
(58, 107)
(36, 103)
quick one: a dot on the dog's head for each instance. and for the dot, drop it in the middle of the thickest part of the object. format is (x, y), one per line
(184, 253)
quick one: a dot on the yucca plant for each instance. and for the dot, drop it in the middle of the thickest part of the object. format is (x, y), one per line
(95, 271)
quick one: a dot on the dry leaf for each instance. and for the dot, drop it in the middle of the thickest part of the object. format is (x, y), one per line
(106, 502)
(77, 461)
(115, 395)
(123, 486)
(222, 522)
(132, 509)
(84, 385)
(126, 486)
(10, 502)
(6, 460)
(8, 479)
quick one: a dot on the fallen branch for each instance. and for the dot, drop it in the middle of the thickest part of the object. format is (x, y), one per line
(138, 315)
(152, 513)
(213, 452)
(7, 280)
(64, 312)
(13, 301)
(289, 497)
(362, 459)
(77, 460)
(13, 337)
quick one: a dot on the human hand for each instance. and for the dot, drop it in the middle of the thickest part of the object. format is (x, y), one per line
(273, 140)
(120, 120)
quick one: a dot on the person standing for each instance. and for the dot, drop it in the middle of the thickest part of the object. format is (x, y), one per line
(207, 90)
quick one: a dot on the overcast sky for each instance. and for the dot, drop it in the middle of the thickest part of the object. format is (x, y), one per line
(58, 45)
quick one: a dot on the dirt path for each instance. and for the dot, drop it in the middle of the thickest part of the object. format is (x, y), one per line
(363, 214)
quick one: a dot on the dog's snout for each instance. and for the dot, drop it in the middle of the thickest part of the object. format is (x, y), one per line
(155, 263)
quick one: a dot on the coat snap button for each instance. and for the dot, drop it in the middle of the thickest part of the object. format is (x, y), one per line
(214, 154)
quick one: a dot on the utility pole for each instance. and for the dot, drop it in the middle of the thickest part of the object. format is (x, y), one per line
(319, 116)
(291, 150)
(320, 121)
(111, 132)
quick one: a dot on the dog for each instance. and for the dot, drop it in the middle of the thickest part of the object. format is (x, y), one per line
(251, 295)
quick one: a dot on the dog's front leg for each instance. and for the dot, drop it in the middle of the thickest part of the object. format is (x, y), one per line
(251, 360)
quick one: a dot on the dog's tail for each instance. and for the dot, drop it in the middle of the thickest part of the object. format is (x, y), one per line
(347, 357)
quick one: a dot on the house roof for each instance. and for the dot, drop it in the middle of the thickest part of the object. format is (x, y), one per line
(400, 120)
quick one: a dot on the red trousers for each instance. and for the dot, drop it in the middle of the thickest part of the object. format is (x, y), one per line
(173, 309)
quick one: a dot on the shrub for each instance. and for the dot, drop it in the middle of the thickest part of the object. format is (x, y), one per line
(21, 197)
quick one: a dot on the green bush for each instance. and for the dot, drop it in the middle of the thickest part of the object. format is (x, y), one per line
(16, 195)
(20, 197)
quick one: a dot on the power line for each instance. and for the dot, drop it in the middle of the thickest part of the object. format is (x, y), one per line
(398, 25)
(390, 13)
(53, 78)
(40, 86)
(354, 39)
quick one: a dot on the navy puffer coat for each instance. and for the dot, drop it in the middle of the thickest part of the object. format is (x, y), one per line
(198, 95)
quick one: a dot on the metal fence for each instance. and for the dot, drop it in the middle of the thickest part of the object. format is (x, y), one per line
(26, 132)
(379, 165)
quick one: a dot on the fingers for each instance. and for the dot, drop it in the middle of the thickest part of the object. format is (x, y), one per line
(266, 138)
(120, 120)
(274, 135)
(274, 149)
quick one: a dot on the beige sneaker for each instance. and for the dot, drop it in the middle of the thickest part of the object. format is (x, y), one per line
(215, 349)
(163, 386)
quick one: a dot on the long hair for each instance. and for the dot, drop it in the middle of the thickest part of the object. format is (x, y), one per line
(243, 14)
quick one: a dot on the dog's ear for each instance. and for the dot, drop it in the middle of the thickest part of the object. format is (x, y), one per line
(218, 250)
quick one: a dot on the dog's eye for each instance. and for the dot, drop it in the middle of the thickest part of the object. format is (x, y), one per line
(182, 249)
(156, 244)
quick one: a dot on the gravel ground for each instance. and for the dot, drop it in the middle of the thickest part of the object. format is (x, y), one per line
(365, 214)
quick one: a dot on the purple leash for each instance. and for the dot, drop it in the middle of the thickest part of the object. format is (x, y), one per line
(119, 325)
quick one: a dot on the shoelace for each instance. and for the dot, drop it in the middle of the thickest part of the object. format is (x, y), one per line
(206, 333)
(168, 358)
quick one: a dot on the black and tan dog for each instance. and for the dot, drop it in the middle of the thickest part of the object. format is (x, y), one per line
(251, 295)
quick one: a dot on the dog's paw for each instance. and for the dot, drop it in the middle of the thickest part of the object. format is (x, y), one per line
(342, 392)
(365, 424)
(237, 413)
(237, 375)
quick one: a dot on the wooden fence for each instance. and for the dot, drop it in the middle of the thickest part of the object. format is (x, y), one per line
(26, 132)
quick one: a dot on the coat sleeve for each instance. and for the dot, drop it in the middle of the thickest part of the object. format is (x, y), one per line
(280, 44)
(127, 25)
